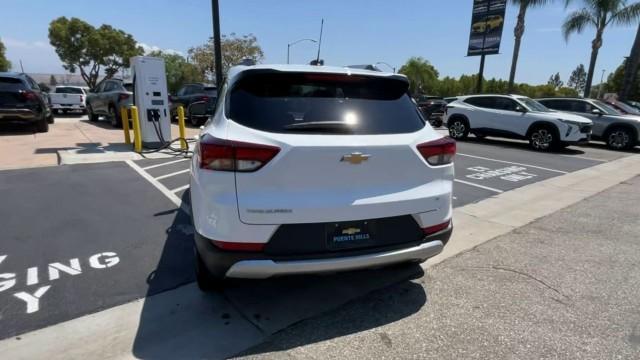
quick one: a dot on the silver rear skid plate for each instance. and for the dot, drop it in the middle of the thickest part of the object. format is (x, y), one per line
(262, 269)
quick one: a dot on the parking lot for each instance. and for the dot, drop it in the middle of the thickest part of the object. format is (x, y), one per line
(82, 238)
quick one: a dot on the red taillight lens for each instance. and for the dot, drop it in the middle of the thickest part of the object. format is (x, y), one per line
(436, 228)
(123, 96)
(203, 98)
(28, 96)
(227, 155)
(235, 246)
(438, 152)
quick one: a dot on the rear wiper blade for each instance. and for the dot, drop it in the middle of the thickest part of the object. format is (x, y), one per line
(314, 125)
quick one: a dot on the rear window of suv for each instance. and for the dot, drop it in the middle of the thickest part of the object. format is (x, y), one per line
(323, 103)
(11, 84)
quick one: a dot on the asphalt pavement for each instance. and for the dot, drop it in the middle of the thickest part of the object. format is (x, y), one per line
(78, 239)
(566, 286)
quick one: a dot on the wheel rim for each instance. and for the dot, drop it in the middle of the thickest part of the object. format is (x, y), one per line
(618, 139)
(541, 139)
(457, 129)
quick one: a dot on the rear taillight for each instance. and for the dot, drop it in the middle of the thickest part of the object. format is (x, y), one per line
(123, 97)
(436, 228)
(227, 155)
(203, 98)
(81, 98)
(438, 152)
(28, 96)
(236, 246)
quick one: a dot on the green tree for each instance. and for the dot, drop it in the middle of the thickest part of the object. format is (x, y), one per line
(555, 81)
(578, 79)
(234, 49)
(5, 64)
(616, 80)
(598, 14)
(518, 31)
(631, 69)
(89, 50)
(178, 70)
(52, 80)
(421, 74)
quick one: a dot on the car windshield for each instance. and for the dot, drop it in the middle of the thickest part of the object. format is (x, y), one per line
(608, 109)
(626, 108)
(278, 102)
(533, 105)
(68, 90)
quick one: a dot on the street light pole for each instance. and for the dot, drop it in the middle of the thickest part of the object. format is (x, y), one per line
(215, 10)
(289, 45)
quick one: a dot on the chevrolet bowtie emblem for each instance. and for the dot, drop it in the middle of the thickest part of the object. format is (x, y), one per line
(355, 158)
(350, 231)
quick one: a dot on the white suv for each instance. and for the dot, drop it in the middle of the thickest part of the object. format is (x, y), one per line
(307, 169)
(515, 116)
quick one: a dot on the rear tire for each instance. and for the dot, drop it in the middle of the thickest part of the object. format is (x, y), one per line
(543, 138)
(92, 116)
(42, 126)
(619, 138)
(114, 118)
(207, 282)
(458, 128)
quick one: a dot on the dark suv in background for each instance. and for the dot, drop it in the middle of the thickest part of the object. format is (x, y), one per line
(22, 100)
(107, 98)
(432, 107)
(198, 101)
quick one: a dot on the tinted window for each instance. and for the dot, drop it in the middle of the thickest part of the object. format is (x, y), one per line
(481, 101)
(11, 84)
(561, 105)
(605, 108)
(181, 91)
(579, 106)
(128, 87)
(211, 91)
(501, 103)
(68, 90)
(311, 103)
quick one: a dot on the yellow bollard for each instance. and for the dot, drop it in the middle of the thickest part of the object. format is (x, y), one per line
(183, 139)
(137, 137)
(124, 115)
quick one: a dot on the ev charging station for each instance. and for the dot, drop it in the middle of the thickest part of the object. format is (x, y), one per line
(150, 96)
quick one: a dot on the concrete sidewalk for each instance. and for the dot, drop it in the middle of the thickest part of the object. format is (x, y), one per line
(565, 286)
(20, 147)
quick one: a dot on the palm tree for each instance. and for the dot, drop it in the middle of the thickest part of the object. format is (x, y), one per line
(518, 31)
(420, 73)
(631, 68)
(598, 14)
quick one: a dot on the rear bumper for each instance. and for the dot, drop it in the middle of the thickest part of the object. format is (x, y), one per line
(254, 265)
(67, 107)
(19, 115)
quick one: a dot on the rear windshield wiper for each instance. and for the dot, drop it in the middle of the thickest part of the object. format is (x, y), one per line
(320, 125)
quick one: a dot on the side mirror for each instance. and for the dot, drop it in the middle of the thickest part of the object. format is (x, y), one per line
(521, 109)
(596, 112)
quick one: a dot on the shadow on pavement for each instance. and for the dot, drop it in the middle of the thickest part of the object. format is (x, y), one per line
(522, 145)
(185, 323)
(9, 129)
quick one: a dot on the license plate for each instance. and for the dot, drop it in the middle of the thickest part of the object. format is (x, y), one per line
(352, 234)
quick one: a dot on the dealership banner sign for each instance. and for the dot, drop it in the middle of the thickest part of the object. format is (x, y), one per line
(487, 21)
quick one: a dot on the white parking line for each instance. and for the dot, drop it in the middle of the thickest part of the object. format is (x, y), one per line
(479, 186)
(514, 163)
(172, 174)
(584, 157)
(163, 189)
(178, 189)
(163, 164)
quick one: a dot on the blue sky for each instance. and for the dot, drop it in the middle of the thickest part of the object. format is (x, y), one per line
(356, 32)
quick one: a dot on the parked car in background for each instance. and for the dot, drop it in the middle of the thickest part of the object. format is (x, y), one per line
(22, 101)
(514, 116)
(450, 99)
(345, 208)
(622, 108)
(198, 101)
(617, 130)
(107, 98)
(67, 98)
(432, 108)
(635, 104)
